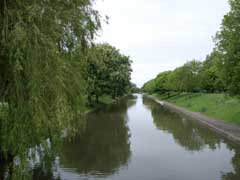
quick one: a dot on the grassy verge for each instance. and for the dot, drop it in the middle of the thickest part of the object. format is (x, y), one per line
(218, 106)
(103, 100)
(106, 100)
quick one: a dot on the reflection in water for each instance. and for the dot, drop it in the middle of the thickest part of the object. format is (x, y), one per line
(190, 135)
(234, 175)
(103, 148)
(186, 133)
(161, 145)
(105, 145)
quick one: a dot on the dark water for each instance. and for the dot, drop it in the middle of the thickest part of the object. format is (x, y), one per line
(137, 139)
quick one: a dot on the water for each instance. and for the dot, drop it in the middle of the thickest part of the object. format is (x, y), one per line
(137, 139)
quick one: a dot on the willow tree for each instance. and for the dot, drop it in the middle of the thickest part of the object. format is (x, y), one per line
(41, 89)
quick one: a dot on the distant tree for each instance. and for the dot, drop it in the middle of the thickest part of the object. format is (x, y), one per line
(161, 82)
(190, 76)
(134, 88)
(185, 78)
(182, 79)
(211, 74)
(108, 72)
(149, 87)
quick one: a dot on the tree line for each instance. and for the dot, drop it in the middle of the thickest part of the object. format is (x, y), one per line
(50, 70)
(219, 73)
(107, 72)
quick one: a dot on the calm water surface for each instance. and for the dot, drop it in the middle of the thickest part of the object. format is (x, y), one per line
(137, 139)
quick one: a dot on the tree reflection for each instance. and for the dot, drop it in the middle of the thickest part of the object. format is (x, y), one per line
(190, 135)
(235, 175)
(40, 174)
(104, 146)
(185, 132)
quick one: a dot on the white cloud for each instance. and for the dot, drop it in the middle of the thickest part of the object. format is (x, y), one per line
(160, 35)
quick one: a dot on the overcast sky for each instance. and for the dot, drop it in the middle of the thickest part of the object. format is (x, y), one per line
(161, 35)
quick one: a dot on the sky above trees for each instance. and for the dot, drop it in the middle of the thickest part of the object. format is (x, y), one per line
(161, 35)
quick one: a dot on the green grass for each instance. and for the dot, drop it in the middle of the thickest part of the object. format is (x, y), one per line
(106, 100)
(103, 100)
(218, 106)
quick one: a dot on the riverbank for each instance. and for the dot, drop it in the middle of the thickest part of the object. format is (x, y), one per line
(228, 130)
(218, 106)
(103, 100)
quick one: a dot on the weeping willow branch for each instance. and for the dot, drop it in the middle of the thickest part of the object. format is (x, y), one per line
(41, 84)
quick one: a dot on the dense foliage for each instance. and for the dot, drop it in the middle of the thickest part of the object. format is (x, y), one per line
(194, 76)
(220, 72)
(228, 44)
(107, 72)
(134, 88)
(48, 66)
(40, 86)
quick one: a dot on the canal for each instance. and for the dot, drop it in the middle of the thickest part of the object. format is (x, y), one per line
(137, 139)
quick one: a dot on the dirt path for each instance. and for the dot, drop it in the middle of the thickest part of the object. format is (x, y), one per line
(230, 131)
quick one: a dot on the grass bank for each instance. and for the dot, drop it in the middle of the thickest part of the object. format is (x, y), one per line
(103, 100)
(218, 106)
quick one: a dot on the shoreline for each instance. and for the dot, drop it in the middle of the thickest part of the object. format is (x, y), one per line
(227, 130)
